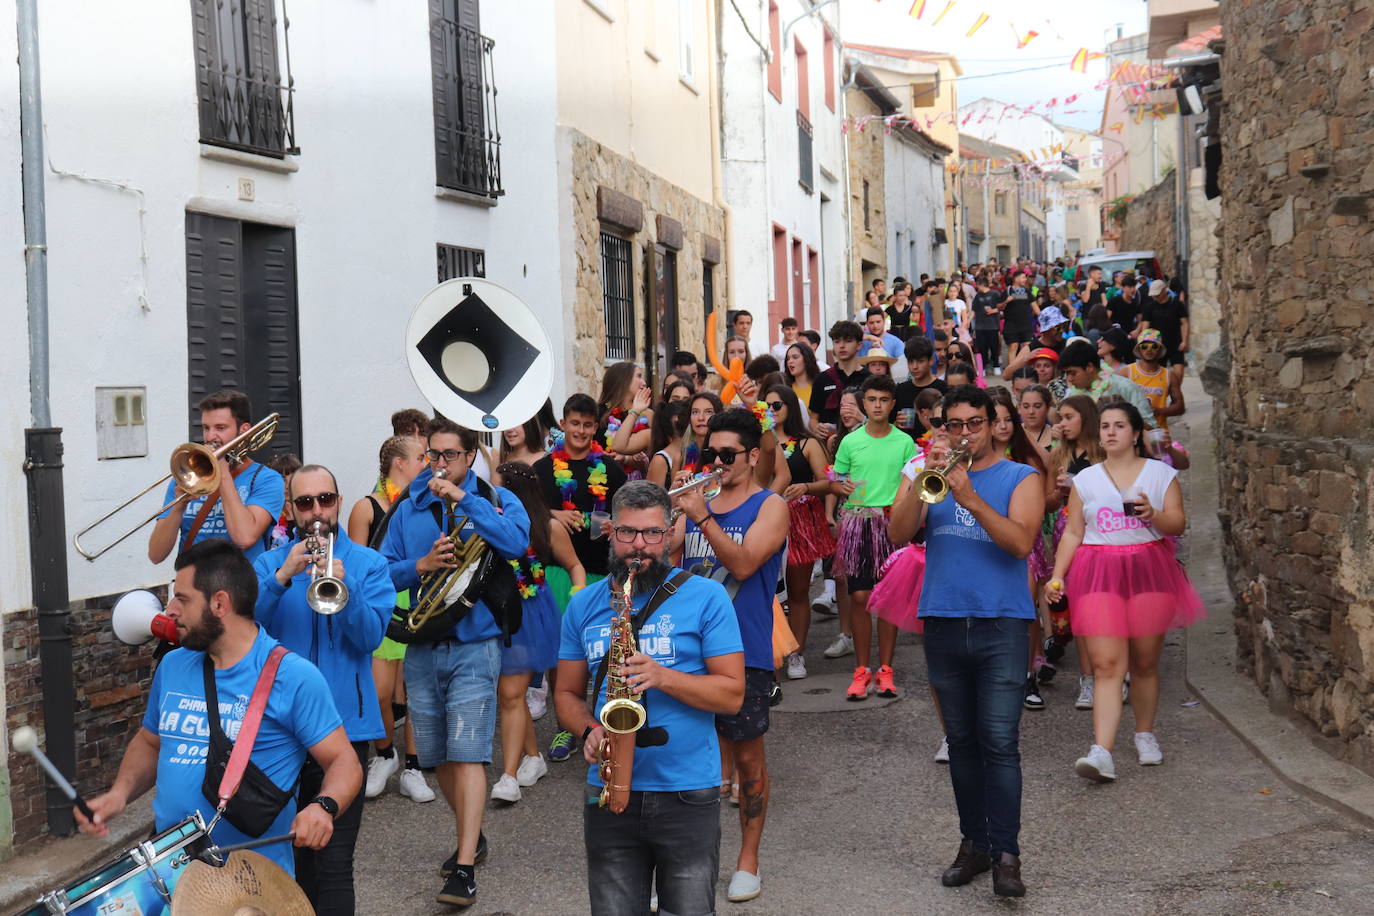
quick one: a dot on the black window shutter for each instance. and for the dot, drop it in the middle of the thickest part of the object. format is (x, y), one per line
(271, 333)
(208, 64)
(441, 69)
(214, 344)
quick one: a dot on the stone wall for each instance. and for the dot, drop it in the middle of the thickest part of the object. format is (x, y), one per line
(112, 682)
(867, 246)
(1204, 271)
(1296, 403)
(612, 191)
(1149, 224)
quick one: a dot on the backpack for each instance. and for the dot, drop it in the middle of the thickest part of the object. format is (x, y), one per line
(493, 583)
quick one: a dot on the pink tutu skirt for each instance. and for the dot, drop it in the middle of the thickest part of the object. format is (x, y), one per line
(1134, 590)
(808, 536)
(1041, 559)
(897, 596)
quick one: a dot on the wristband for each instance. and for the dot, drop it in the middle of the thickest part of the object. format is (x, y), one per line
(587, 732)
(703, 521)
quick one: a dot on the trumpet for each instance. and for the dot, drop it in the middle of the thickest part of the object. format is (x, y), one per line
(932, 484)
(327, 593)
(195, 468)
(710, 480)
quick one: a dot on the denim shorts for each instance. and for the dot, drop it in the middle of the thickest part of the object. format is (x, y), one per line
(451, 691)
(752, 719)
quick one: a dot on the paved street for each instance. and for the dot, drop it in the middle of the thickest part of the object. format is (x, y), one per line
(863, 820)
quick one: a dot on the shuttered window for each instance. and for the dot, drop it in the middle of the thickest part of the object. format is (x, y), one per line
(456, 261)
(241, 320)
(467, 141)
(243, 103)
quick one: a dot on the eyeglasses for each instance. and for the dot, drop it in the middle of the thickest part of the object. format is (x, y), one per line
(626, 535)
(958, 426)
(326, 501)
(448, 454)
(727, 456)
(775, 406)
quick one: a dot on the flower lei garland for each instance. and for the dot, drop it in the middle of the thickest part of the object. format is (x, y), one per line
(790, 446)
(596, 479)
(386, 489)
(529, 574)
(691, 456)
(616, 417)
(765, 416)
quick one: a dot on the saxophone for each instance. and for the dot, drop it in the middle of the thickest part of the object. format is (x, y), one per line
(622, 715)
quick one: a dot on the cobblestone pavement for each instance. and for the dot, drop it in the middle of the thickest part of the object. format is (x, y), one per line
(862, 821)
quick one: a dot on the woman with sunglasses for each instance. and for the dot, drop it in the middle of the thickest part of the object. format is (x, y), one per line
(534, 647)
(1124, 585)
(808, 536)
(400, 460)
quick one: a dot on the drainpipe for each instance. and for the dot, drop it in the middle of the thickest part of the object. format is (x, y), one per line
(43, 446)
(717, 188)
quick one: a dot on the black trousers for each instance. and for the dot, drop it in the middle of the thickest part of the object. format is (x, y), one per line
(326, 875)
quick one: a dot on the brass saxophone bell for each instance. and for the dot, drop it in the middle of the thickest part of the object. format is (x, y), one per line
(623, 716)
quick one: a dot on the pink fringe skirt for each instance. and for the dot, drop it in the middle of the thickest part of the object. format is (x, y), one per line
(1133, 590)
(863, 544)
(897, 596)
(808, 536)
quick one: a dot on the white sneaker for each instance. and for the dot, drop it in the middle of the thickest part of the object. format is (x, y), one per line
(1097, 766)
(824, 604)
(413, 786)
(796, 666)
(942, 755)
(537, 699)
(743, 886)
(1147, 749)
(842, 646)
(506, 789)
(1126, 689)
(1085, 692)
(379, 771)
(531, 770)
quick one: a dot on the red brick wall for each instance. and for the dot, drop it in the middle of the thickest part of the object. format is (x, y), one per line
(112, 683)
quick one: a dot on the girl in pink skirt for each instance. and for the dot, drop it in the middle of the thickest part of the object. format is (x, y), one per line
(1125, 588)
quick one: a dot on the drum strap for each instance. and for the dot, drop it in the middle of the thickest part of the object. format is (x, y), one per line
(248, 730)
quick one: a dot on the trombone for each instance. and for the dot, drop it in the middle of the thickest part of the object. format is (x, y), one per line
(195, 468)
(327, 593)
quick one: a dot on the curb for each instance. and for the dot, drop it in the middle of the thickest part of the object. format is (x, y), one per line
(1210, 650)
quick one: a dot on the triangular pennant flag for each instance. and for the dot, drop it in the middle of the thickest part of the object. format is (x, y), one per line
(1021, 42)
(1082, 58)
(977, 25)
(1116, 127)
(948, 6)
(918, 9)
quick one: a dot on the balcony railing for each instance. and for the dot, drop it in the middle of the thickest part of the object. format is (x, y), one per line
(468, 141)
(249, 114)
(804, 147)
(244, 103)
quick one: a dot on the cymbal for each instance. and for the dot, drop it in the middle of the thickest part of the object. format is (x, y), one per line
(249, 884)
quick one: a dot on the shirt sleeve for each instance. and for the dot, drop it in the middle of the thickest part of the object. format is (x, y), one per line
(1134, 395)
(170, 495)
(842, 456)
(153, 712)
(402, 567)
(570, 645)
(719, 625)
(313, 714)
(507, 531)
(268, 490)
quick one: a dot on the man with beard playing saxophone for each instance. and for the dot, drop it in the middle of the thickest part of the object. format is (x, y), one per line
(687, 667)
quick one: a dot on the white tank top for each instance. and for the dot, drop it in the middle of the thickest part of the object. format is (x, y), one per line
(1104, 520)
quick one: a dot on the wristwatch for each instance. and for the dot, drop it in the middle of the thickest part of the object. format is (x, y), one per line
(330, 806)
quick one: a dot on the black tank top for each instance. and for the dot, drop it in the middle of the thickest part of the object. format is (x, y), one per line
(799, 466)
(378, 516)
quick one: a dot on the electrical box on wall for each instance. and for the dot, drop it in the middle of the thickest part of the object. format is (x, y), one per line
(121, 422)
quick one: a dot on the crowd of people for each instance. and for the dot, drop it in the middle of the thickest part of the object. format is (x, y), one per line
(914, 476)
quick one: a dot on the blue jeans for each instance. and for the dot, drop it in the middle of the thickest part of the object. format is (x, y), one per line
(977, 666)
(668, 841)
(451, 692)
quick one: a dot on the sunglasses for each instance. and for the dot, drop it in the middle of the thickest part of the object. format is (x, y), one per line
(448, 454)
(326, 501)
(958, 426)
(775, 406)
(726, 456)
(1149, 346)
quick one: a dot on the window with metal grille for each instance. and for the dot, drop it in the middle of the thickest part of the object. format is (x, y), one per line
(455, 261)
(243, 102)
(467, 140)
(867, 225)
(806, 172)
(617, 296)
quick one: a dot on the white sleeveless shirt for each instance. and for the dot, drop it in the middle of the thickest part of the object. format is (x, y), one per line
(1104, 520)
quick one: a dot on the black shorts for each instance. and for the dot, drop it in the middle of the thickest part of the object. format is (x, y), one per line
(859, 584)
(1175, 358)
(752, 719)
(1016, 335)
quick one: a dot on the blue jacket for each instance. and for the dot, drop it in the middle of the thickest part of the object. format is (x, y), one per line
(339, 645)
(412, 532)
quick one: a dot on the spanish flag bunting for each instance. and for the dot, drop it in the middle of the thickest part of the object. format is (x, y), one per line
(918, 9)
(948, 6)
(1116, 127)
(1082, 59)
(1022, 42)
(977, 25)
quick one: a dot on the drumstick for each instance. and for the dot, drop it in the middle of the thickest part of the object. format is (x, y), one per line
(25, 741)
(253, 844)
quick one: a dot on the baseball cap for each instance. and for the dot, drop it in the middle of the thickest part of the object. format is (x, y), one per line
(1157, 287)
(1044, 353)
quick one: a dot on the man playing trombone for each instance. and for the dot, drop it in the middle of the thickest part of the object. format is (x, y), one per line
(328, 600)
(247, 503)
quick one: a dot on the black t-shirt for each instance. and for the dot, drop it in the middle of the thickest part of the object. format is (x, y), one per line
(1018, 311)
(1097, 296)
(1167, 318)
(826, 390)
(1125, 313)
(981, 320)
(593, 554)
(899, 321)
(907, 392)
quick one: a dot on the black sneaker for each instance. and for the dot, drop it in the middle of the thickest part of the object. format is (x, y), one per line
(1046, 673)
(1054, 649)
(461, 887)
(775, 694)
(447, 868)
(1033, 699)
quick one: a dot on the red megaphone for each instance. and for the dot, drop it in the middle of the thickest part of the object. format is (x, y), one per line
(137, 617)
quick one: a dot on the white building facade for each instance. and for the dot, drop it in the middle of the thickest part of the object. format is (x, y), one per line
(914, 186)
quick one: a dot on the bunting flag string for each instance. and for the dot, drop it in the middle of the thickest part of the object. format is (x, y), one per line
(918, 9)
(977, 25)
(949, 5)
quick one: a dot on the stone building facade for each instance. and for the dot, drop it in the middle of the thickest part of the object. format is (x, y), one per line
(1149, 224)
(867, 173)
(665, 225)
(1294, 381)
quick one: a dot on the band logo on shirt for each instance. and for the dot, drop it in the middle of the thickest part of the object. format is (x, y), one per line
(183, 725)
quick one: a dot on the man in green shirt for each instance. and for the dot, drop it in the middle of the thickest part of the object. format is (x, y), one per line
(1079, 363)
(868, 468)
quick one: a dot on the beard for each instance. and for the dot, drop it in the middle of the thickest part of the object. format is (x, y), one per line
(653, 568)
(204, 634)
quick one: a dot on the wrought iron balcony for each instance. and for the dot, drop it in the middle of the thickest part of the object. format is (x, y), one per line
(467, 137)
(244, 103)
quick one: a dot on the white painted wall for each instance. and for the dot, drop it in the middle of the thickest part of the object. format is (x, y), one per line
(915, 196)
(120, 104)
